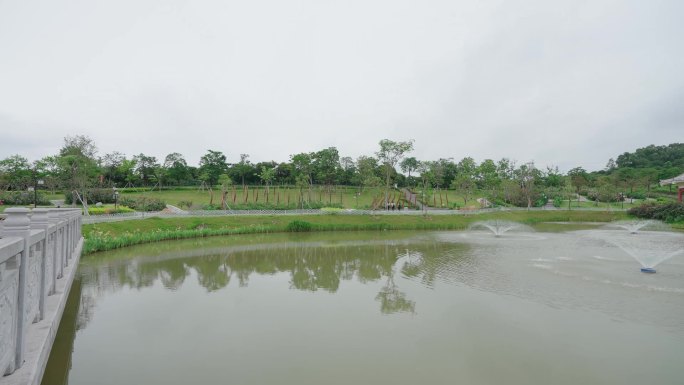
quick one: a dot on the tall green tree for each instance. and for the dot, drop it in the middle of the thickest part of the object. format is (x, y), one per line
(487, 177)
(111, 167)
(212, 164)
(243, 168)
(302, 165)
(409, 165)
(177, 170)
(326, 165)
(348, 169)
(47, 169)
(368, 173)
(579, 178)
(78, 166)
(15, 173)
(146, 168)
(465, 178)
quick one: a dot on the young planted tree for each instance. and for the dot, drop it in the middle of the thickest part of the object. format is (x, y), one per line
(225, 182)
(242, 168)
(427, 178)
(267, 175)
(390, 154)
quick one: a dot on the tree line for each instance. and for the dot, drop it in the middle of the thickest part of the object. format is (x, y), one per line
(78, 166)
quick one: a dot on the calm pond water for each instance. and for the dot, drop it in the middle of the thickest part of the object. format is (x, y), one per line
(373, 308)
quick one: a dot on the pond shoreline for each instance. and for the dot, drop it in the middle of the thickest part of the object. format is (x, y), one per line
(109, 236)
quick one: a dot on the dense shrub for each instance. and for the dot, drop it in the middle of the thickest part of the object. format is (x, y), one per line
(298, 226)
(557, 201)
(143, 204)
(605, 196)
(520, 200)
(22, 198)
(103, 195)
(671, 212)
(636, 195)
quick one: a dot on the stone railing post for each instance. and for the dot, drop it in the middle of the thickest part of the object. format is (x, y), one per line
(64, 235)
(18, 224)
(58, 245)
(79, 225)
(40, 221)
(66, 217)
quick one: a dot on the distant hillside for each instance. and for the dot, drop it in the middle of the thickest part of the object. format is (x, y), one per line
(658, 157)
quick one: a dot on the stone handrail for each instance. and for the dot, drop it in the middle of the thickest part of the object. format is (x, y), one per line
(37, 248)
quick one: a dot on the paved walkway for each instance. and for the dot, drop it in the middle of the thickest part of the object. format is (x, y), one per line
(411, 197)
(175, 210)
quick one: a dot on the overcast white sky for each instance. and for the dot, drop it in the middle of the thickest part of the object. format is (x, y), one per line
(566, 83)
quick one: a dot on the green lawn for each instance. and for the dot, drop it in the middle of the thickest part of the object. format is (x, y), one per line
(238, 198)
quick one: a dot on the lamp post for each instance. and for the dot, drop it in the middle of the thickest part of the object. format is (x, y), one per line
(116, 198)
(33, 190)
(39, 182)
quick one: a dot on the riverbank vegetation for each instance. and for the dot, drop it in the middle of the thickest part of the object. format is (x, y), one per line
(112, 235)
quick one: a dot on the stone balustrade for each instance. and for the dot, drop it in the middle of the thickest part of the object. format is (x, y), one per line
(39, 251)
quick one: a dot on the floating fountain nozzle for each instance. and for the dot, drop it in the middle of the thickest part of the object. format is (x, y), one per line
(648, 270)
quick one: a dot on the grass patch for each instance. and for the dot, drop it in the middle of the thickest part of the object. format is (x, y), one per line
(109, 209)
(298, 226)
(108, 236)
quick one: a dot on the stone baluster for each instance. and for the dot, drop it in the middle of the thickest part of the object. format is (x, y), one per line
(67, 227)
(18, 224)
(40, 221)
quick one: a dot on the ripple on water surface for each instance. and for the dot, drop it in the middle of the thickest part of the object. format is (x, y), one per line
(386, 307)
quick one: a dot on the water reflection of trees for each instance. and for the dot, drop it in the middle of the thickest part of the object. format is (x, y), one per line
(310, 268)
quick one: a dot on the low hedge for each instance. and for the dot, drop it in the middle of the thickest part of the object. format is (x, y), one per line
(102, 195)
(22, 198)
(143, 204)
(671, 212)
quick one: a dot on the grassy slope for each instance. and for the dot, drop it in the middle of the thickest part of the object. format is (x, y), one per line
(200, 198)
(107, 236)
